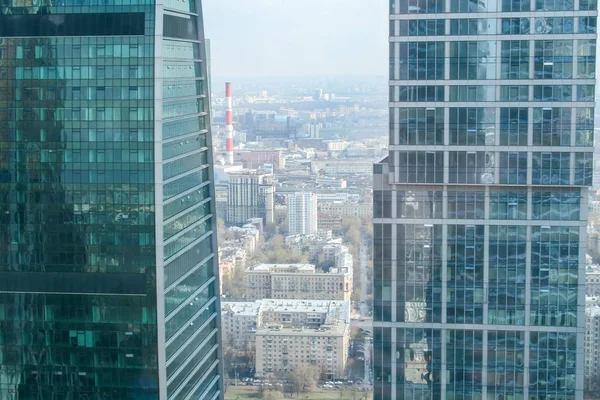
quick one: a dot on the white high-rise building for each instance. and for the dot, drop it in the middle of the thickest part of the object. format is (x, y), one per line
(302, 213)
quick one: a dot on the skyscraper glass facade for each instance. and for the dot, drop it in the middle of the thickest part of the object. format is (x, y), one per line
(108, 283)
(481, 206)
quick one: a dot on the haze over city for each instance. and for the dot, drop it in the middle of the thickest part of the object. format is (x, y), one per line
(330, 199)
(284, 38)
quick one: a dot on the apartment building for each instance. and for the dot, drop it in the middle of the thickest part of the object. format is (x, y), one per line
(250, 195)
(240, 320)
(298, 281)
(303, 332)
(302, 213)
(346, 210)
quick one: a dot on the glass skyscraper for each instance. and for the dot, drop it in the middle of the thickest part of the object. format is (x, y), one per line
(481, 206)
(108, 279)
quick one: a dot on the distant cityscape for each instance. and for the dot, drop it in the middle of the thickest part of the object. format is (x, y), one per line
(295, 200)
(170, 233)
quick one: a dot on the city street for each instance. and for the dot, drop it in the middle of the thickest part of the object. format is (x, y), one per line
(364, 281)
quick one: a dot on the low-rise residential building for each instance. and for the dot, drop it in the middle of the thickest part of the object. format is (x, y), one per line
(336, 183)
(333, 197)
(311, 244)
(240, 321)
(330, 222)
(303, 332)
(342, 167)
(297, 281)
(245, 238)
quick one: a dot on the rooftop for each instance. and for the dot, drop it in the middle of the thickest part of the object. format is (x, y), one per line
(301, 268)
(242, 308)
(337, 308)
(279, 330)
(256, 172)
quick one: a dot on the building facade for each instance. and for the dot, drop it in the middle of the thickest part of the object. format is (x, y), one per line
(302, 213)
(346, 210)
(240, 323)
(256, 158)
(297, 281)
(108, 278)
(299, 332)
(592, 348)
(480, 208)
(251, 194)
(592, 281)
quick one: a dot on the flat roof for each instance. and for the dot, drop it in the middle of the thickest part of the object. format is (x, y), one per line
(335, 330)
(242, 308)
(283, 267)
(306, 306)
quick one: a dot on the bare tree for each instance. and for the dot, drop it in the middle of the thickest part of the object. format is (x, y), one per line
(304, 378)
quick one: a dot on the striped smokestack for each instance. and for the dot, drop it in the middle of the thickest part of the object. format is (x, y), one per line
(229, 123)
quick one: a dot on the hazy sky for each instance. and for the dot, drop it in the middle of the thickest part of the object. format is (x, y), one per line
(287, 38)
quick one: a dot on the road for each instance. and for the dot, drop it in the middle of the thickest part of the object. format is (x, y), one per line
(364, 281)
(365, 323)
(367, 355)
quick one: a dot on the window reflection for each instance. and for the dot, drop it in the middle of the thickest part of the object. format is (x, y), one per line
(508, 205)
(514, 126)
(473, 60)
(558, 206)
(552, 93)
(465, 274)
(513, 168)
(419, 204)
(418, 7)
(420, 166)
(552, 126)
(473, 26)
(554, 266)
(508, 263)
(472, 93)
(471, 167)
(418, 359)
(418, 264)
(515, 59)
(466, 6)
(552, 363)
(466, 205)
(553, 25)
(553, 59)
(464, 359)
(420, 126)
(506, 363)
(419, 60)
(550, 168)
(472, 126)
(515, 26)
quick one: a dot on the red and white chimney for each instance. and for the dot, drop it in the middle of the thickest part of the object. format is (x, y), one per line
(229, 123)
